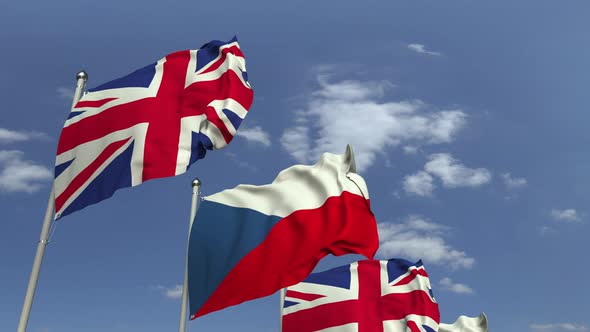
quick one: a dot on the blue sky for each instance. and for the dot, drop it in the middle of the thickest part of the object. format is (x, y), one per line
(468, 119)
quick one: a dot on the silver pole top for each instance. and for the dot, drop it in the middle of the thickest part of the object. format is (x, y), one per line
(196, 182)
(82, 75)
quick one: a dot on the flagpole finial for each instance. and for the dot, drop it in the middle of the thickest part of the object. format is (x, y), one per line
(349, 154)
(196, 182)
(82, 75)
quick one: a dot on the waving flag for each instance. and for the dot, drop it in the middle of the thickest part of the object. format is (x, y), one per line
(466, 324)
(250, 241)
(365, 296)
(152, 123)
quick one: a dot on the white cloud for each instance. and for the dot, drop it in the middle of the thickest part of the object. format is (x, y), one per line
(255, 134)
(408, 149)
(557, 327)
(296, 141)
(454, 174)
(351, 90)
(12, 136)
(20, 175)
(419, 184)
(448, 285)
(420, 48)
(513, 183)
(66, 93)
(349, 112)
(417, 238)
(171, 293)
(565, 215)
(450, 171)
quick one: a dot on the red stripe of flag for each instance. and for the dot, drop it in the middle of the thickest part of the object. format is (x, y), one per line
(93, 103)
(322, 317)
(304, 296)
(399, 305)
(413, 326)
(83, 176)
(227, 86)
(280, 261)
(413, 275)
(234, 50)
(163, 135)
(101, 124)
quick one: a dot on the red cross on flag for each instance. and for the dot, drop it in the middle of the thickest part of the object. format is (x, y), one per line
(365, 296)
(152, 123)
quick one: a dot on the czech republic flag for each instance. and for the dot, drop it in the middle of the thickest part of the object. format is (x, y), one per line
(250, 241)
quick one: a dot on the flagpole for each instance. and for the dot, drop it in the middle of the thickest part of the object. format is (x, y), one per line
(281, 302)
(81, 78)
(183, 318)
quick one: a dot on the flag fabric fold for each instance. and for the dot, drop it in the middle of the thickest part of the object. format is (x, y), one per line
(369, 295)
(466, 324)
(152, 123)
(251, 241)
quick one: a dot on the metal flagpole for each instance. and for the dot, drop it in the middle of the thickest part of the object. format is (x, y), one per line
(183, 318)
(81, 77)
(281, 302)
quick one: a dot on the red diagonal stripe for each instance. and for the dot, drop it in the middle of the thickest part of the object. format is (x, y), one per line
(93, 103)
(304, 296)
(413, 326)
(81, 178)
(413, 274)
(234, 50)
(202, 93)
(106, 122)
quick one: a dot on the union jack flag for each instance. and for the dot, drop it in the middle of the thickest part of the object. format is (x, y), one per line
(152, 123)
(365, 296)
